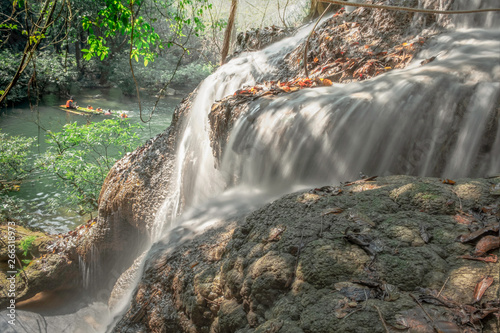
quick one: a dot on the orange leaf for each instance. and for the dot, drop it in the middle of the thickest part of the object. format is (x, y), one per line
(462, 219)
(316, 59)
(449, 182)
(326, 82)
(367, 46)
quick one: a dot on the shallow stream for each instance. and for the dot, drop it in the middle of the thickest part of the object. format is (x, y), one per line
(39, 189)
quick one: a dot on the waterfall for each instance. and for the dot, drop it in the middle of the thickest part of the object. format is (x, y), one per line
(434, 120)
(439, 119)
(195, 178)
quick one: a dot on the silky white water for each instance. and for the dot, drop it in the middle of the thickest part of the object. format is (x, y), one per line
(195, 178)
(441, 119)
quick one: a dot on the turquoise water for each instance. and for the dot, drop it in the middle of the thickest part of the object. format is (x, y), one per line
(40, 188)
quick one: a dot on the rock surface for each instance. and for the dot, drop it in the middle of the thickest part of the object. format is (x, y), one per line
(131, 194)
(329, 260)
(41, 262)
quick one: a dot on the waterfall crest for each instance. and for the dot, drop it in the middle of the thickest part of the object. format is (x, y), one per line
(440, 119)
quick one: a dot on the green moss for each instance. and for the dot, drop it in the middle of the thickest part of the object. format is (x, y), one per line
(26, 244)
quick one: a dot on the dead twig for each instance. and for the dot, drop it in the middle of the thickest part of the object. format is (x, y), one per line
(381, 318)
(444, 284)
(306, 46)
(426, 314)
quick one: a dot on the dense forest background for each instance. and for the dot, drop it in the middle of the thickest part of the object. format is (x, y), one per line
(51, 47)
(51, 50)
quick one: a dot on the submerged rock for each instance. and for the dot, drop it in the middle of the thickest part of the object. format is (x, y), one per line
(298, 265)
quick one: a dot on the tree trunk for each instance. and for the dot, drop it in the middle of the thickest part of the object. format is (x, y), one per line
(78, 52)
(227, 33)
(316, 9)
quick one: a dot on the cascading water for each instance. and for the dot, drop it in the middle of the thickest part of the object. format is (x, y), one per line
(195, 179)
(434, 120)
(440, 119)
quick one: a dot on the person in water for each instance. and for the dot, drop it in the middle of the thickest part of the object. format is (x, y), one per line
(90, 107)
(123, 115)
(70, 104)
(107, 113)
(99, 109)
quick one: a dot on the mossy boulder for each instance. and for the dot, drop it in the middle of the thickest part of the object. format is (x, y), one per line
(317, 262)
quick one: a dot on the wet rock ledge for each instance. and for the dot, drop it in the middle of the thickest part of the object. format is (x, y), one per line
(362, 257)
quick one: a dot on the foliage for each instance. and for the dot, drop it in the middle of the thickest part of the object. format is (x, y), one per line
(123, 18)
(10, 62)
(26, 244)
(157, 74)
(36, 22)
(54, 72)
(14, 163)
(51, 74)
(12, 208)
(81, 157)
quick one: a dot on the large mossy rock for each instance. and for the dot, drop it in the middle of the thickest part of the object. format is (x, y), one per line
(43, 262)
(328, 260)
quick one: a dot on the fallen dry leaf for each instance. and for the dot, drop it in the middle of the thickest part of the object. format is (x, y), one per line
(487, 243)
(481, 287)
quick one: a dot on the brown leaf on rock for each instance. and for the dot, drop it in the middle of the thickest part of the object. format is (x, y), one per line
(449, 182)
(275, 234)
(361, 181)
(481, 287)
(488, 230)
(491, 209)
(486, 244)
(413, 320)
(361, 219)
